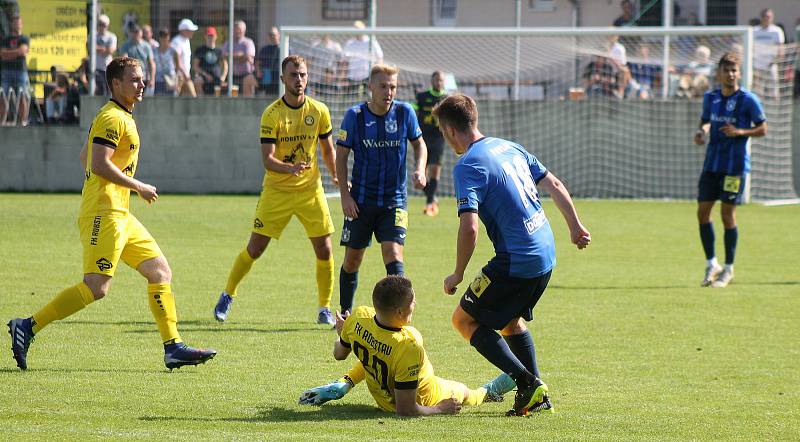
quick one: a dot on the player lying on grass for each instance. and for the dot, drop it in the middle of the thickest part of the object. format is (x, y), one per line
(393, 360)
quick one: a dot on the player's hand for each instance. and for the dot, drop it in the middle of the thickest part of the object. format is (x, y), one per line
(297, 169)
(324, 393)
(147, 193)
(730, 130)
(335, 181)
(419, 180)
(581, 237)
(700, 137)
(451, 283)
(349, 206)
(340, 321)
(449, 406)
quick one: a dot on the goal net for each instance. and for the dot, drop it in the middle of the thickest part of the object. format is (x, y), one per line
(612, 112)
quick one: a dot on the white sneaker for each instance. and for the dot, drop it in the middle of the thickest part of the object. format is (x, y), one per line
(724, 279)
(712, 272)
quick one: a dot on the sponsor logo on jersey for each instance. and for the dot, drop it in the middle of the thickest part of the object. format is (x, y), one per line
(535, 222)
(462, 201)
(369, 123)
(309, 120)
(112, 135)
(129, 169)
(342, 135)
(391, 126)
(370, 143)
(292, 138)
(730, 105)
(258, 224)
(103, 264)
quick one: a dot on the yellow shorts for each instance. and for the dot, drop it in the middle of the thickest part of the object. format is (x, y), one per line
(276, 207)
(440, 389)
(107, 238)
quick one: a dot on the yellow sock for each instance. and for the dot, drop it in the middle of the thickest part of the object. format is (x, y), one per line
(162, 304)
(241, 266)
(475, 397)
(355, 374)
(64, 304)
(325, 281)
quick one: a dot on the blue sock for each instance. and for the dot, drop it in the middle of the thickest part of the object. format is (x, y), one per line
(707, 238)
(395, 268)
(522, 347)
(492, 347)
(348, 283)
(731, 237)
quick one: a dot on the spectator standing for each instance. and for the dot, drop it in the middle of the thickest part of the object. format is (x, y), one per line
(602, 78)
(768, 39)
(244, 54)
(147, 35)
(106, 46)
(167, 62)
(136, 47)
(267, 63)
(626, 19)
(183, 46)
(361, 53)
(209, 64)
(645, 72)
(14, 68)
(327, 53)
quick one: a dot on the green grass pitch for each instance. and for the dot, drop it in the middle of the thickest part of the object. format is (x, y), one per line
(630, 345)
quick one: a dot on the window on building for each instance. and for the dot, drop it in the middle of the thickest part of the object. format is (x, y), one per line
(542, 5)
(345, 9)
(444, 12)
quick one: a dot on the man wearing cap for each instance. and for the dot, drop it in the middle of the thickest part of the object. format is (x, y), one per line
(183, 46)
(106, 46)
(209, 65)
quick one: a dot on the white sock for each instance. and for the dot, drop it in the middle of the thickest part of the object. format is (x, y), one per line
(712, 262)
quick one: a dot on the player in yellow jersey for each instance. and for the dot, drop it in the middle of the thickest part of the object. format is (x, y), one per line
(391, 354)
(290, 128)
(108, 231)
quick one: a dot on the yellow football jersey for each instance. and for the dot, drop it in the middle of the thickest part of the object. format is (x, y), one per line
(113, 126)
(393, 358)
(295, 132)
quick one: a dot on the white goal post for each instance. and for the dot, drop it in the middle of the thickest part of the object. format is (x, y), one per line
(537, 87)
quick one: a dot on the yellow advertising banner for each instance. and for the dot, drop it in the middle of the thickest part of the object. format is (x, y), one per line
(57, 29)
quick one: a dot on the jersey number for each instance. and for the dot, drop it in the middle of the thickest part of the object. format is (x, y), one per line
(377, 368)
(521, 175)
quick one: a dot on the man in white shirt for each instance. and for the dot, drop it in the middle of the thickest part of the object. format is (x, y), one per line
(769, 40)
(182, 45)
(359, 56)
(105, 48)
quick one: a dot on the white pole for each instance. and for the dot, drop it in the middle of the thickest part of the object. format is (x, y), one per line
(517, 50)
(284, 51)
(230, 47)
(373, 21)
(666, 23)
(92, 49)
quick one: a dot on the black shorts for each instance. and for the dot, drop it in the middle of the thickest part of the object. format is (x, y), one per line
(387, 223)
(719, 186)
(495, 301)
(435, 145)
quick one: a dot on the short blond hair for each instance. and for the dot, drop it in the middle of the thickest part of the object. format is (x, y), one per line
(382, 69)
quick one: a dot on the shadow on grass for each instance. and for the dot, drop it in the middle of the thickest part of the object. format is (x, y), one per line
(337, 412)
(665, 287)
(209, 326)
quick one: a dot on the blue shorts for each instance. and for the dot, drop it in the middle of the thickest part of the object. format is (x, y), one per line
(387, 223)
(15, 80)
(715, 186)
(494, 300)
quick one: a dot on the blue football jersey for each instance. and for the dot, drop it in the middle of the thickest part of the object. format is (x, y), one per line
(743, 110)
(497, 179)
(379, 144)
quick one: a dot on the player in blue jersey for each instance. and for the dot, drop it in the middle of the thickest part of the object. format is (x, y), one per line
(730, 115)
(496, 181)
(377, 133)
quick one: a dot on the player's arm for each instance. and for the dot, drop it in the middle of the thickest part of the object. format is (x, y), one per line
(104, 168)
(199, 70)
(275, 165)
(577, 232)
(349, 206)
(406, 404)
(421, 160)
(329, 156)
(759, 130)
(465, 246)
(701, 132)
(84, 152)
(224, 75)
